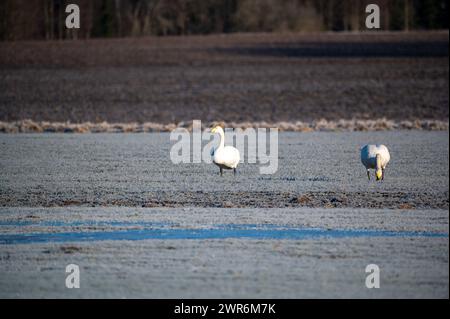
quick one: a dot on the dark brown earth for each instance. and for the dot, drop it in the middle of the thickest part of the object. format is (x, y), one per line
(327, 199)
(241, 77)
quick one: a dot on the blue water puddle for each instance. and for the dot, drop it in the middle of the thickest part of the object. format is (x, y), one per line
(150, 230)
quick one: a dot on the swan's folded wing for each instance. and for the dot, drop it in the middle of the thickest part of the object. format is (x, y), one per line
(228, 156)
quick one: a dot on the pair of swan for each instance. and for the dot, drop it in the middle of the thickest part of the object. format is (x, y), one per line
(372, 156)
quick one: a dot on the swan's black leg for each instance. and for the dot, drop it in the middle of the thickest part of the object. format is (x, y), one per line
(382, 174)
(221, 171)
(234, 171)
(368, 174)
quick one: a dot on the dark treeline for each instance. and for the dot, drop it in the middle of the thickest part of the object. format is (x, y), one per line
(45, 19)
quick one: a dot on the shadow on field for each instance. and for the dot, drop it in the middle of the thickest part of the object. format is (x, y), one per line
(345, 49)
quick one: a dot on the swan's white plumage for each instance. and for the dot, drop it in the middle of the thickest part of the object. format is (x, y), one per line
(224, 156)
(369, 157)
(227, 156)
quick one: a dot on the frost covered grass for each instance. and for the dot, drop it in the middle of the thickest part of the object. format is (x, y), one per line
(354, 125)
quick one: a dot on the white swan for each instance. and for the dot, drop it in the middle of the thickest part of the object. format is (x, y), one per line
(375, 157)
(226, 157)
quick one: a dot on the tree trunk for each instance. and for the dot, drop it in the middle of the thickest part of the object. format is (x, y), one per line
(406, 14)
(119, 18)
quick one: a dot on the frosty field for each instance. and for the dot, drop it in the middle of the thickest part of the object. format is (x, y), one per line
(140, 226)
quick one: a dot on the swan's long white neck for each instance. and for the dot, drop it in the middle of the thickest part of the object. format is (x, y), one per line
(222, 138)
(378, 159)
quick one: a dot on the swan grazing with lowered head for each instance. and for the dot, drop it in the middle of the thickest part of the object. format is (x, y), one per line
(226, 157)
(375, 157)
